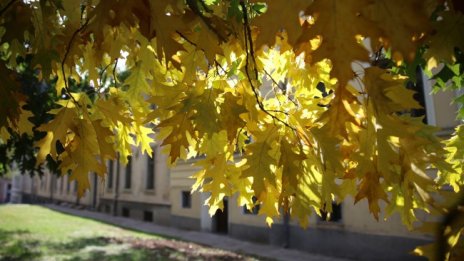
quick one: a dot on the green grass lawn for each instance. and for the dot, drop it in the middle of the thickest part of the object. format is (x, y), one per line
(30, 232)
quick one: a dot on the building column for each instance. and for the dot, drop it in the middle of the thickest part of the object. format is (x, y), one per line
(206, 220)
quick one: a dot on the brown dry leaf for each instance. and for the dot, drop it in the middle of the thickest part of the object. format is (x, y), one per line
(403, 24)
(280, 14)
(338, 23)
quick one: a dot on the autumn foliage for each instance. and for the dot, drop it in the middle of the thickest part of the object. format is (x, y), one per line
(297, 103)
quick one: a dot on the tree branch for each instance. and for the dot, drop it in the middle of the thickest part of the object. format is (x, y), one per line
(250, 55)
(114, 72)
(6, 7)
(206, 21)
(278, 86)
(68, 49)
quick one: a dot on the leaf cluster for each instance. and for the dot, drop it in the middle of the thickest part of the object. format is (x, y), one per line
(295, 104)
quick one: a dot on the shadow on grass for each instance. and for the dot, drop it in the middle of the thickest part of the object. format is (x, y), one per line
(103, 221)
(21, 245)
(15, 246)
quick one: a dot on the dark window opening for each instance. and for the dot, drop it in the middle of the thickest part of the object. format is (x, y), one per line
(125, 212)
(150, 182)
(68, 185)
(186, 199)
(110, 175)
(61, 185)
(148, 216)
(8, 193)
(43, 181)
(75, 187)
(419, 95)
(128, 181)
(220, 219)
(55, 183)
(335, 216)
(254, 210)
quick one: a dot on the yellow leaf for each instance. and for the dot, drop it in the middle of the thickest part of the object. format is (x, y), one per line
(124, 142)
(166, 24)
(137, 86)
(144, 137)
(388, 95)
(105, 140)
(269, 203)
(57, 130)
(81, 155)
(230, 115)
(112, 110)
(449, 34)
(24, 124)
(371, 189)
(174, 133)
(260, 157)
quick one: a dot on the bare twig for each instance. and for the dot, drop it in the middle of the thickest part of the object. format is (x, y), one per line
(186, 39)
(251, 56)
(277, 84)
(68, 49)
(100, 75)
(196, 46)
(206, 21)
(114, 72)
(6, 7)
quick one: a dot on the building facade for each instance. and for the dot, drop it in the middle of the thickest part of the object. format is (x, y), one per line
(147, 189)
(5, 190)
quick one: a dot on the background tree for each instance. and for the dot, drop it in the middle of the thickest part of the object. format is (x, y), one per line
(228, 80)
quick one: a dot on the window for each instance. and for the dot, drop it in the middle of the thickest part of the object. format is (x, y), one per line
(186, 199)
(55, 182)
(125, 212)
(419, 95)
(150, 179)
(43, 181)
(68, 185)
(61, 184)
(75, 187)
(148, 216)
(335, 216)
(128, 180)
(254, 210)
(110, 174)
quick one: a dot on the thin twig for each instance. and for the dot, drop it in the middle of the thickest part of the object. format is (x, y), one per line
(114, 72)
(186, 39)
(277, 84)
(6, 7)
(206, 21)
(100, 75)
(220, 66)
(251, 56)
(196, 46)
(68, 49)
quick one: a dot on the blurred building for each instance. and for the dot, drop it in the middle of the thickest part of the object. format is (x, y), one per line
(5, 190)
(146, 189)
